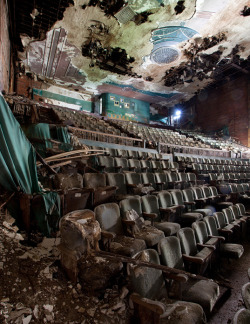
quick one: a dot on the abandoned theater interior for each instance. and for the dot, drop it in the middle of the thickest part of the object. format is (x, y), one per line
(124, 161)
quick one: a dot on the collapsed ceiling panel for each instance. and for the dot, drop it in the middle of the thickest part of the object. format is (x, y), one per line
(164, 50)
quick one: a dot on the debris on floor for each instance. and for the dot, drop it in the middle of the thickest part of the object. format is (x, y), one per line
(34, 288)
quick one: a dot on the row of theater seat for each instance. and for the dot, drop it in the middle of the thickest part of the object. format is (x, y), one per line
(209, 168)
(110, 164)
(194, 249)
(211, 161)
(130, 154)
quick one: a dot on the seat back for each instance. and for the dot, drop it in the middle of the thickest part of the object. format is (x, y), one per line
(145, 164)
(228, 215)
(210, 222)
(161, 178)
(170, 251)
(197, 192)
(108, 216)
(172, 176)
(107, 162)
(133, 178)
(235, 211)
(200, 231)
(118, 180)
(147, 282)
(220, 219)
(121, 162)
(188, 195)
(150, 204)
(206, 192)
(132, 154)
(177, 197)
(148, 178)
(129, 204)
(187, 240)
(191, 177)
(94, 180)
(241, 209)
(213, 191)
(183, 176)
(135, 164)
(165, 199)
(68, 181)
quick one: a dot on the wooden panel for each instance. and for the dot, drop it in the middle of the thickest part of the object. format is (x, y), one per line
(225, 106)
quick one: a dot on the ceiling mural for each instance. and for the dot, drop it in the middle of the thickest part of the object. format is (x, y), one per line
(164, 51)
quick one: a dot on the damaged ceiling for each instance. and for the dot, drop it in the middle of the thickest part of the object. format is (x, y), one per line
(160, 51)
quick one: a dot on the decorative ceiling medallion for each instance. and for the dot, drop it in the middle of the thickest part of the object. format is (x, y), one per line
(165, 42)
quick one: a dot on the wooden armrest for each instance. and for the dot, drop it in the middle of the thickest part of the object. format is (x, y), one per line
(193, 259)
(167, 210)
(128, 222)
(149, 215)
(212, 247)
(177, 277)
(154, 306)
(160, 183)
(221, 238)
(224, 230)
(118, 167)
(108, 235)
(131, 185)
(189, 202)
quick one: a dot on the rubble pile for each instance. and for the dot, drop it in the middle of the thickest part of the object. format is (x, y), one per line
(34, 289)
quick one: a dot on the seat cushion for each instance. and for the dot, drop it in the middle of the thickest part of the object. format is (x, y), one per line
(168, 228)
(204, 211)
(202, 292)
(183, 313)
(204, 253)
(127, 245)
(231, 250)
(150, 235)
(191, 216)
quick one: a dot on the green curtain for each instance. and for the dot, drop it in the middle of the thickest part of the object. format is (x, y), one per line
(17, 156)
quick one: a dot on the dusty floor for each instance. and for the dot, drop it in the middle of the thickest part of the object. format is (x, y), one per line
(236, 272)
(33, 288)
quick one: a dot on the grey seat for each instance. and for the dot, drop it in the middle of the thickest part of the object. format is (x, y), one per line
(146, 166)
(162, 180)
(229, 250)
(118, 180)
(167, 207)
(223, 226)
(202, 236)
(231, 219)
(202, 292)
(108, 215)
(189, 201)
(221, 202)
(196, 260)
(106, 163)
(121, 164)
(134, 182)
(173, 180)
(134, 165)
(139, 229)
(150, 296)
(148, 179)
(242, 316)
(245, 292)
(150, 209)
(242, 210)
(186, 218)
(101, 191)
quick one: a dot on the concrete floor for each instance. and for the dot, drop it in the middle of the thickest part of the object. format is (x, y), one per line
(236, 272)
